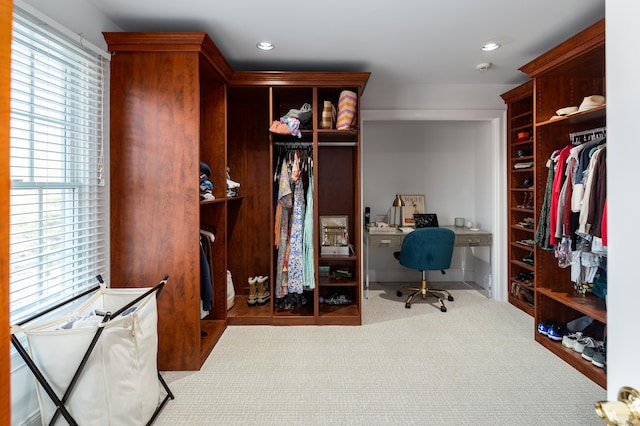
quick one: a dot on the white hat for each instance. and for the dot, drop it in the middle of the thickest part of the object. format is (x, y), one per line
(566, 111)
(591, 102)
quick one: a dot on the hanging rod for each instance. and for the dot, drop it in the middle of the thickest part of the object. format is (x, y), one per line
(307, 144)
(578, 138)
(293, 144)
(337, 144)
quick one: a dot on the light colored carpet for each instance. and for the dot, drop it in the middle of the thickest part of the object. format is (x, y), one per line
(476, 364)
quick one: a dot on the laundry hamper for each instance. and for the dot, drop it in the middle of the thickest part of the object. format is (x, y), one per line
(100, 360)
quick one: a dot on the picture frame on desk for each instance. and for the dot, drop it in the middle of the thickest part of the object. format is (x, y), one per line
(334, 234)
(413, 204)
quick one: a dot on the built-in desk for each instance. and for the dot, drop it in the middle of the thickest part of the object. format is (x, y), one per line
(391, 238)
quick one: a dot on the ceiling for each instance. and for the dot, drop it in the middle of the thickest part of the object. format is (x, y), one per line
(404, 42)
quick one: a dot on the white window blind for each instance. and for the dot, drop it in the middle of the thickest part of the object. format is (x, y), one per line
(57, 225)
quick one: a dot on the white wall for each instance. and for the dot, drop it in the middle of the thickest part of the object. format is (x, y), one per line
(623, 154)
(79, 16)
(448, 161)
(435, 97)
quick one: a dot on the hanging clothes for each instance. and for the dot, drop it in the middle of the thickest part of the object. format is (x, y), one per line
(584, 226)
(206, 275)
(293, 229)
(296, 261)
(285, 203)
(558, 181)
(541, 238)
(308, 272)
(598, 194)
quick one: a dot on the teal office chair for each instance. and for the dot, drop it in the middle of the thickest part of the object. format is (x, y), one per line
(426, 249)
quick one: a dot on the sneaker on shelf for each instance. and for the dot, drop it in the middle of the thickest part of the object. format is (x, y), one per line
(570, 340)
(543, 327)
(338, 299)
(584, 342)
(589, 351)
(599, 358)
(557, 332)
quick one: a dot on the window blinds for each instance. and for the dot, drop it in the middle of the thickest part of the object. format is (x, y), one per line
(58, 200)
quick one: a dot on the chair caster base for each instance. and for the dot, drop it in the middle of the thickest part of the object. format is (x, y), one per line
(450, 298)
(443, 309)
(399, 294)
(407, 305)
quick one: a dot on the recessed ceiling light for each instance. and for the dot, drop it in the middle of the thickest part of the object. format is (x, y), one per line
(265, 45)
(490, 46)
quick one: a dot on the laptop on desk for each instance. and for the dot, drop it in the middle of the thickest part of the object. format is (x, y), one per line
(425, 220)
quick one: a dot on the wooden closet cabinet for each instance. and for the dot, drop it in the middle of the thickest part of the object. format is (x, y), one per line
(175, 101)
(168, 113)
(562, 77)
(522, 212)
(255, 100)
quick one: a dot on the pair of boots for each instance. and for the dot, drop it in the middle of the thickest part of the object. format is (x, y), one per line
(258, 290)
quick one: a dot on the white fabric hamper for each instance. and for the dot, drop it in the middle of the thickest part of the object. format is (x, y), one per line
(119, 384)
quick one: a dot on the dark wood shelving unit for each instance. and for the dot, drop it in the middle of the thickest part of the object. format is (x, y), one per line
(519, 119)
(175, 101)
(562, 76)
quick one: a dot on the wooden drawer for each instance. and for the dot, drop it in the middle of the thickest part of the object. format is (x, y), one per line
(479, 240)
(386, 241)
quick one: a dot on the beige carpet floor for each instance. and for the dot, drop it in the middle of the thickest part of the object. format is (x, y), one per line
(476, 364)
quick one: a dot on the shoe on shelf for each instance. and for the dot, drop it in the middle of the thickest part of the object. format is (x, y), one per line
(557, 332)
(570, 340)
(589, 351)
(543, 327)
(262, 289)
(252, 299)
(528, 260)
(584, 342)
(338, 299)
(599, 358)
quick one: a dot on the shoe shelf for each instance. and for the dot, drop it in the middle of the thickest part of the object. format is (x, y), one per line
(585, 304)
(221, 200)
(522, 265)
(596, 374)
(520, 304)
(517, 227)
(520, 150)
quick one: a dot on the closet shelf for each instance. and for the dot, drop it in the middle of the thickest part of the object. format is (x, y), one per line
(586, 304)
(521, 246)
(339, 310)
(522, 228)
(333, 282)
(522, 127)
(575, 359)
(221, 200)
(595, 114)
(523, 265)
(525, 114)
(523, 306)
(337, 257)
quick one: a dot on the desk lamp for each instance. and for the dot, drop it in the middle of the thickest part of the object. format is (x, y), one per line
(398, 202)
